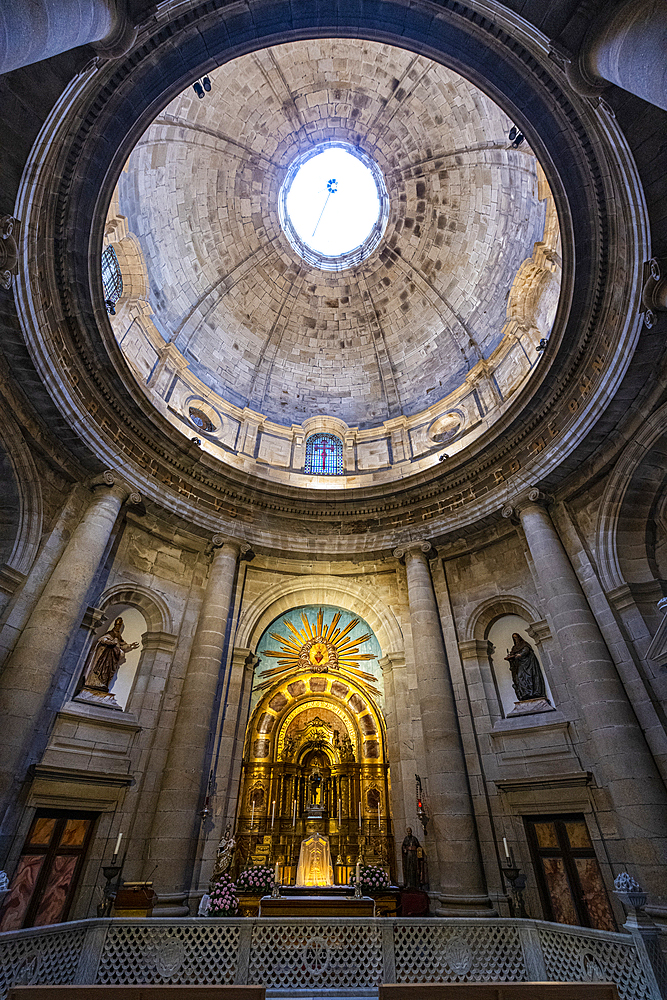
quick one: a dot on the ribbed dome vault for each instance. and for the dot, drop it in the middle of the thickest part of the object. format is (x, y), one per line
(389, 337)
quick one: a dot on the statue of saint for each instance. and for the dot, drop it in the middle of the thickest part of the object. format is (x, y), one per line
(410, 850)
(107, 657)
(315, 866)
(315, 786)
(527, 677)
(347, 750)
(224, 855)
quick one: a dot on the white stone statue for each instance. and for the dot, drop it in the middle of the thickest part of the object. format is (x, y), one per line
(315, 866)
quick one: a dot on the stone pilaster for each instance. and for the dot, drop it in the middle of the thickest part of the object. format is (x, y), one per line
(399, 741)
(176, 823)
(617, 747)
(458, 875)
(30, 672)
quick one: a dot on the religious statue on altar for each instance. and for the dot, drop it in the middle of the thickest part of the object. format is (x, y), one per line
(315, 866)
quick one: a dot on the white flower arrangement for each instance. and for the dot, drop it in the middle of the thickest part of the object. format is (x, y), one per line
(626, 883)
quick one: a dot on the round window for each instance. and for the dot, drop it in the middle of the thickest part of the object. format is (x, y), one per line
(333, 206)
(200, 420)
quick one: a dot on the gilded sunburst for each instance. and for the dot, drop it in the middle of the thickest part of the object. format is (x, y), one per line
(320, 647)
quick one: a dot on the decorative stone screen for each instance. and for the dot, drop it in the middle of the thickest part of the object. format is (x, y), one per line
(324, 455)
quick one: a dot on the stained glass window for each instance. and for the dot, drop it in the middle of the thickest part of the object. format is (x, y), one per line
(199, 419)
(324, 455)
(112, 279)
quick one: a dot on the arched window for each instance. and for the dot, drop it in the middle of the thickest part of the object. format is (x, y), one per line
(112, 279)
(324, 455)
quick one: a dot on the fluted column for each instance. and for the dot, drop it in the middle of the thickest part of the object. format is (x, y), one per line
(460, 878)
(618, 749)
(176, 823)
(30, 672)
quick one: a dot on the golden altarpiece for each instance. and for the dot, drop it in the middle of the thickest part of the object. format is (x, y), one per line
(315, 753)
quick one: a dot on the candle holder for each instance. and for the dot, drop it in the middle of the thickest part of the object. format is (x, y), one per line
(516, 883)
(112, 874)
(357, 889)
(275, 892)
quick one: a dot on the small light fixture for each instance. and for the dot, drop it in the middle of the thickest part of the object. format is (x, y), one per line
(206, 83)
(542, 345)
(198, 89)
(443, 457)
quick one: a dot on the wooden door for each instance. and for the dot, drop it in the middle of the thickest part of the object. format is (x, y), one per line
(44, 884)
(567, 871)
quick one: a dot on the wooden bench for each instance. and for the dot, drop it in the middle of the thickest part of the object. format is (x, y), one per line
(137, 993)
(499, 991)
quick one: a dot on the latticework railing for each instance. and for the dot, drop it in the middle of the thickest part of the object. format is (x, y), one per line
(317, 954)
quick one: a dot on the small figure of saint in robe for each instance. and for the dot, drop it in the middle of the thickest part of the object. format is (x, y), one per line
(527, 677)
(410, 850)
(106, 658)
(315, 866)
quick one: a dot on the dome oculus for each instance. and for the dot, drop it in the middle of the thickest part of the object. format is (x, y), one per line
(333, 206)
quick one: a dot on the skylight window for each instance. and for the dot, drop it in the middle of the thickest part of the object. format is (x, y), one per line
(334, 206)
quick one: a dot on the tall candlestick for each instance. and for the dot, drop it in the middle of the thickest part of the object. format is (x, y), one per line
(507, 853)
(340, 811)
(273, 813)
(293, 812)
(117, 847)
(379, 817)
(252, 816)
(358, 878)
(276, 874)
(360, 815)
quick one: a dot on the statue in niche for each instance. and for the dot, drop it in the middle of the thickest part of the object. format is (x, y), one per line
(107, 656)
(527, 677)
(347, 751)
(315, 786)
(411, 852)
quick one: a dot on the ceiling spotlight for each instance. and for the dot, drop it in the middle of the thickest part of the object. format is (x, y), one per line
(196, 441)
(542, 344)
(110, 307)
(207, 84)
(513, 133)
(518, 140)
(443, 457)
(198, 89)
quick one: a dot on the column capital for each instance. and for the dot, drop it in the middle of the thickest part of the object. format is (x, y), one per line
(391, 661)
(219, 541)
(418, 547)
(531, 497)
(111, 479)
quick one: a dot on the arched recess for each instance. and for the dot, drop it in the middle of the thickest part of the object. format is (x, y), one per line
(153, 607)
(156, 640)
(632, 494)
(315, 761)
(287, 594)
(21, 509)
(503, 604)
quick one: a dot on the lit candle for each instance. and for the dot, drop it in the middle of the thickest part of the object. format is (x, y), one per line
(293, 812)
(360, 815)
(252, 816)
(507, 852)
(117, 847)
(379, 817)
(273, 813)
(358, 878)
(340, 811)
(276, 874)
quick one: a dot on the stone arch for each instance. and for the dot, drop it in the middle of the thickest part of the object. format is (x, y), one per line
(21, 509)
(152, 606)
(633, 488)
(284, 596)
(486, 613)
